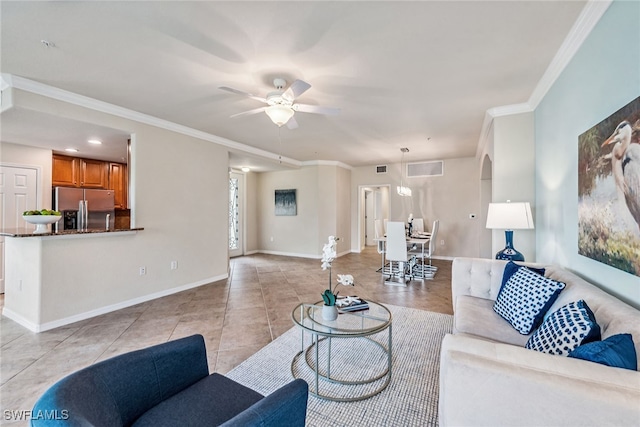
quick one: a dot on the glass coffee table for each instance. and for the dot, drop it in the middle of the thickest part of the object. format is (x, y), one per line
(361, 359)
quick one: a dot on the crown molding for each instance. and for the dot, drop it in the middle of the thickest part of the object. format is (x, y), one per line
(5, 81)
(327, 163)
(492, 113)
(125, 113)
(587, 20)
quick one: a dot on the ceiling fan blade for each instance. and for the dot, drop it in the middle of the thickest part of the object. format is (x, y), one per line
(239, 92)
(250, 112)
(296, 89)
(292, 123)
(306, 108)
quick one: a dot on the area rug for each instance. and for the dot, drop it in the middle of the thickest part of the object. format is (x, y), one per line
(411, 399)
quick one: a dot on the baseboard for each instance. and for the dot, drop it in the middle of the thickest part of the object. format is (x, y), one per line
(289, 254)
(104, 310)
(10, 314)
(251, 252)
(309, 256)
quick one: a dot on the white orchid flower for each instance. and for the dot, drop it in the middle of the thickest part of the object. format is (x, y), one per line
(329, 252)
(345, 279)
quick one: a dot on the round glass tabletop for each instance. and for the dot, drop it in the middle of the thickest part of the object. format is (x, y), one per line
(350, 324)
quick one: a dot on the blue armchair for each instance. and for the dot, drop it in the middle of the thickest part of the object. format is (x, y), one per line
(165, 385)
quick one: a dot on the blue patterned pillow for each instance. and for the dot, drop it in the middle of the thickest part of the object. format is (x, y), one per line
(511, 268)
(617, 351)
(524, 299)
(567, 328)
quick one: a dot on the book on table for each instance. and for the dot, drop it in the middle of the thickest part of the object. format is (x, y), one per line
(352, 303)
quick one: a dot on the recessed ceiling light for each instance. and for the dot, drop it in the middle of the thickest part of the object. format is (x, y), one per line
(246, 169)
(94, 141)
(71, 150)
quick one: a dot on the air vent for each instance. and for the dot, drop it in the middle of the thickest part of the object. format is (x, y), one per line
(381, 169)
(422, 169)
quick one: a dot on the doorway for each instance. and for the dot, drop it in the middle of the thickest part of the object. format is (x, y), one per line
(18, 193)
(373, 204)
(236, 214)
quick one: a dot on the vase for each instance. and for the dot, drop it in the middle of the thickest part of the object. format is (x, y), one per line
(329, 312)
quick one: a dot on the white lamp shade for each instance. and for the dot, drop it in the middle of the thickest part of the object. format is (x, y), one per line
(509, 216)
(279, 114)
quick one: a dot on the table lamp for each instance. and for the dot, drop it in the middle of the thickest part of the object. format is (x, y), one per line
(509, 216)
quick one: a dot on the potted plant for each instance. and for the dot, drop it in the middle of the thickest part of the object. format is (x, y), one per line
(329, 310)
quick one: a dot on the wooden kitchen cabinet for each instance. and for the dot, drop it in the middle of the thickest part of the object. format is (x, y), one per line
(65, 171)
(70, 171)
(93, 174)
(118, 183)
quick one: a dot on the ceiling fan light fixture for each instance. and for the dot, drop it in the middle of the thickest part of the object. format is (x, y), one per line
(279, 114)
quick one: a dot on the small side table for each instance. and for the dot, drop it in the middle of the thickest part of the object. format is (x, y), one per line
(354, 325)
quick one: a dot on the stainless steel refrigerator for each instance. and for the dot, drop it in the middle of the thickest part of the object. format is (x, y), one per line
(84, 209)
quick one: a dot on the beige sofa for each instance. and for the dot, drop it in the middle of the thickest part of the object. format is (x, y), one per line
(488, 378)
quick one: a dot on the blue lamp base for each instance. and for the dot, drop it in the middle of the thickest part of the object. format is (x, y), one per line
(509, 253)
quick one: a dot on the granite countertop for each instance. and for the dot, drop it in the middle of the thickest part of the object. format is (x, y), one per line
(28, 232)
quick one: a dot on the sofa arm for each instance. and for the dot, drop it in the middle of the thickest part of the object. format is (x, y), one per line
(285, 407)
(495, 384)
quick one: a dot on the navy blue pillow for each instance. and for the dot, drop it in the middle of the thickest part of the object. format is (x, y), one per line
(617, 351)
(512, 267)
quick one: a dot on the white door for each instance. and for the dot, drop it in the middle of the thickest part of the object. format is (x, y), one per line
(18, 193)
(369, 218)
(377, 204)
(236, 217)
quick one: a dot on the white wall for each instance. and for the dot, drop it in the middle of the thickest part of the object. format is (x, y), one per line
(603, 76)
(323, 198)
(513, 174)
(343, 209)
(449, 198)
(292, 235)
(178, 183)
(251, 212)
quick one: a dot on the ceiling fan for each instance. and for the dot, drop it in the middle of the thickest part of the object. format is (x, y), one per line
(281, 104)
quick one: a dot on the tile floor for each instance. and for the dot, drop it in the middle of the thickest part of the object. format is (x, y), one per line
(237, 317)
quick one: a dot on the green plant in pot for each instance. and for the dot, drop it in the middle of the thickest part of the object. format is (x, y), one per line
(329, 297)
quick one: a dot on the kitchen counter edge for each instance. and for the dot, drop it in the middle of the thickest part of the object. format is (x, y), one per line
(23, 232)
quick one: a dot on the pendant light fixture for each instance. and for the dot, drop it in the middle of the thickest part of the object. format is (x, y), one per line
(402, 190)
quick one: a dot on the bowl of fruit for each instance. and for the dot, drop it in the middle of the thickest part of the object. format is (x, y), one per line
(41, 219)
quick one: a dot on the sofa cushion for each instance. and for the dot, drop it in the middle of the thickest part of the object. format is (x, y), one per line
(474, 316)
(617, 351)
(565, 329)
(211, 401)
(524, 299)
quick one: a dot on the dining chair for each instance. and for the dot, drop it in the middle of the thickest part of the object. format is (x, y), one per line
(418, 225)
(396, 251)
(429, 271)
(379, 229)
